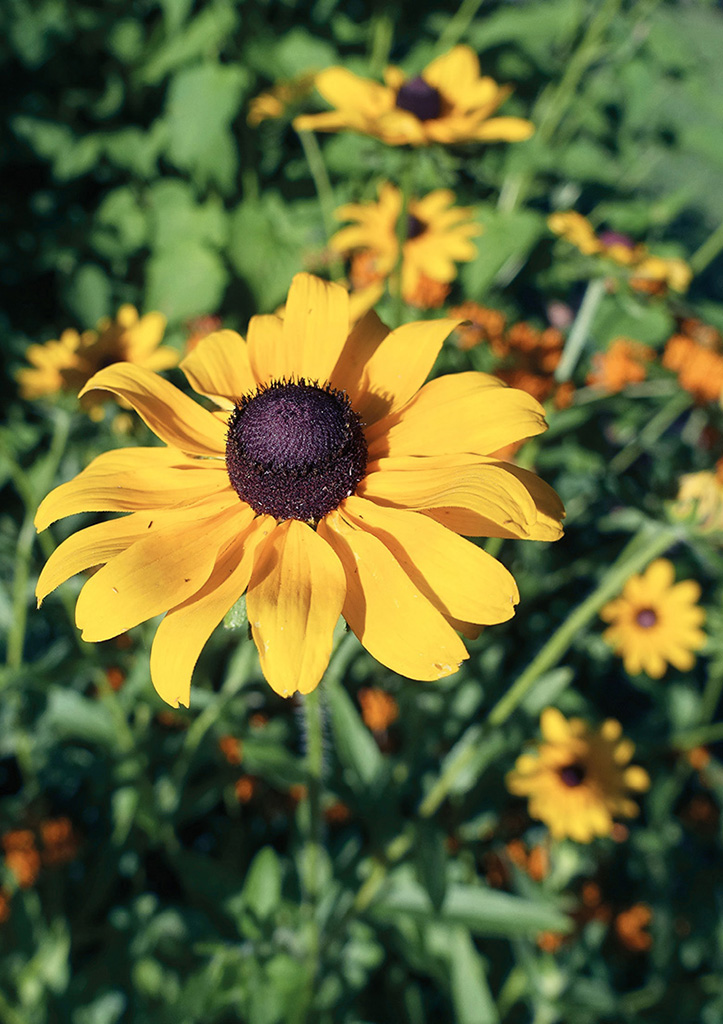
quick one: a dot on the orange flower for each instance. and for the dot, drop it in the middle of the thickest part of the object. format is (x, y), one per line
(698, 758)
(21, 856)
(484, 325)
(60, 844)
(231, 748)
(630, 928)
(4, 905)
(622, 364)
(337, 813)
(699, 367)
(258, 721)
(379, 709)
(115, 676)
(550, 942)
(245, 788)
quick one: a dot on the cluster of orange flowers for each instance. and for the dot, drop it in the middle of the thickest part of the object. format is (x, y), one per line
(379, 709)
(529, 356)
(24, 858)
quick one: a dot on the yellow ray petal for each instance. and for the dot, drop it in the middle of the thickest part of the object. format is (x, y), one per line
(184, 631)
(459, 578)
(175, 418)
(400, 365)
(132, 479)
(361, 344)
(464, 412)
(390, 616)
(265, 340)
(343, 89)
(219, 367)
(294, 601)
(316, 325)
(156, 573)
(504, 129)
(453, 72)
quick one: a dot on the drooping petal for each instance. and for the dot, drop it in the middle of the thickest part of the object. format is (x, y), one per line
(294, 600)
(156, 573)
(171, 415)
(316, 325)
(459, 578)
(133, 479)
(464, 412)
(219, 367)
(390, 616)
(183, 632)
(550, 510)
(399, 366)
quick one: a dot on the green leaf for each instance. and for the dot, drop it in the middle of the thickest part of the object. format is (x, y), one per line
(262, 889)
(430, 859)
(70, 716)
(355, 746)
(120, 225)
(185, 281)
(508, 238)
(473, 1002)
(89, 295)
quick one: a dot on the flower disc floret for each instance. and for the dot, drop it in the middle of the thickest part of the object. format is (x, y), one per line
(419, 98)
(295, 450)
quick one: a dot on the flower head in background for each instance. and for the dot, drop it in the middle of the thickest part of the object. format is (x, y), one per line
(630, 928)
(68, 364)
(625, 362)
(438, 235)
(449, 102)
(579, 778)
(700, 499)
(648, 272)
(331, 481)
(379, 709)
(695, 354)
(275, 102)
(656, 622)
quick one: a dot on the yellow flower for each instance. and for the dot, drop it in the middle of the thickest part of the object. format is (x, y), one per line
(438, 235)
(331, 481)
(275, 102)
(648, 271)
(656, 622)
(700, 499)
(448, 103)
(578, 779)
(68, 364)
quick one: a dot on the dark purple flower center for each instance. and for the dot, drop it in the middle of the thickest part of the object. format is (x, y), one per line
(415, 227)
(646, 618)
(572, 774)
(419, 98)
(616, 238)
(295, 450)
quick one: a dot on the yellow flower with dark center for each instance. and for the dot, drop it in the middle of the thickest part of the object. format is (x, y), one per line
(579, 778)
(438, 235)
(449, 102)
(68, 364)
(331, 481)
(656, 622)
(647, 269)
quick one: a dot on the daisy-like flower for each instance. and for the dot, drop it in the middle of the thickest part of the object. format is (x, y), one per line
(625, 362)
(649, 272)
(68, 364)
(449, 102)
(330, 481)
(578, 779)
(274, 103)
(438, 234)
(656, 622)
(700, 499)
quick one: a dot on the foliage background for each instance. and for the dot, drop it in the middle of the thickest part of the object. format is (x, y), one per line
(131, 175)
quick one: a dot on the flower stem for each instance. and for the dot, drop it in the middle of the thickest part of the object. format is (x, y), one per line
(458, 24)
(405, 187)
(580, 331)
(651, 433)
(707, 252)
(648, 543)
(324, 192)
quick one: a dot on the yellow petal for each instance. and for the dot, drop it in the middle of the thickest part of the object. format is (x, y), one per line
(219, 367)
(504, 129)
(183, 632)
(467, 499)
(294, 601)
(464, 412)
(133, 479)
(550, 510)
(636, 778)
(156, 573)
(400, 365)
(361, 344)
(175, 418)
(342, 88)
(554, 726)
(265, 340)
(390, 616)
(460, 579)
(316, 325)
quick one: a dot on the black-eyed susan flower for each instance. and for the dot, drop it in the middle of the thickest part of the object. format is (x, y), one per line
(449, 102)
(331, 481)
(656, 622)
(438, 235)
(579, 778)
(648, 272)
(275, 102)
(68, 363)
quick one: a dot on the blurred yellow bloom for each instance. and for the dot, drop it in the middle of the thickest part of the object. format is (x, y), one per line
(438, 234)
(700, 499)
(67, 364)
(647, 270)
(578, 778)
(656, 622)
(275, 102)
(449, 102)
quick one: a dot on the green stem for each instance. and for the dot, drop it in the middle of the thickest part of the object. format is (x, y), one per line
(651, 433)
(580, 331)
(324, 192)
(707, 252)
(711, 696)
(405, 187)
(311, 822)
(458, 24)
(648, 543)
(698, 736)
(382, 35)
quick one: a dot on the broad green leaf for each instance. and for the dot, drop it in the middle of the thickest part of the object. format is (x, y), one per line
(355, 746)
(185, 281)
(262, 888)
